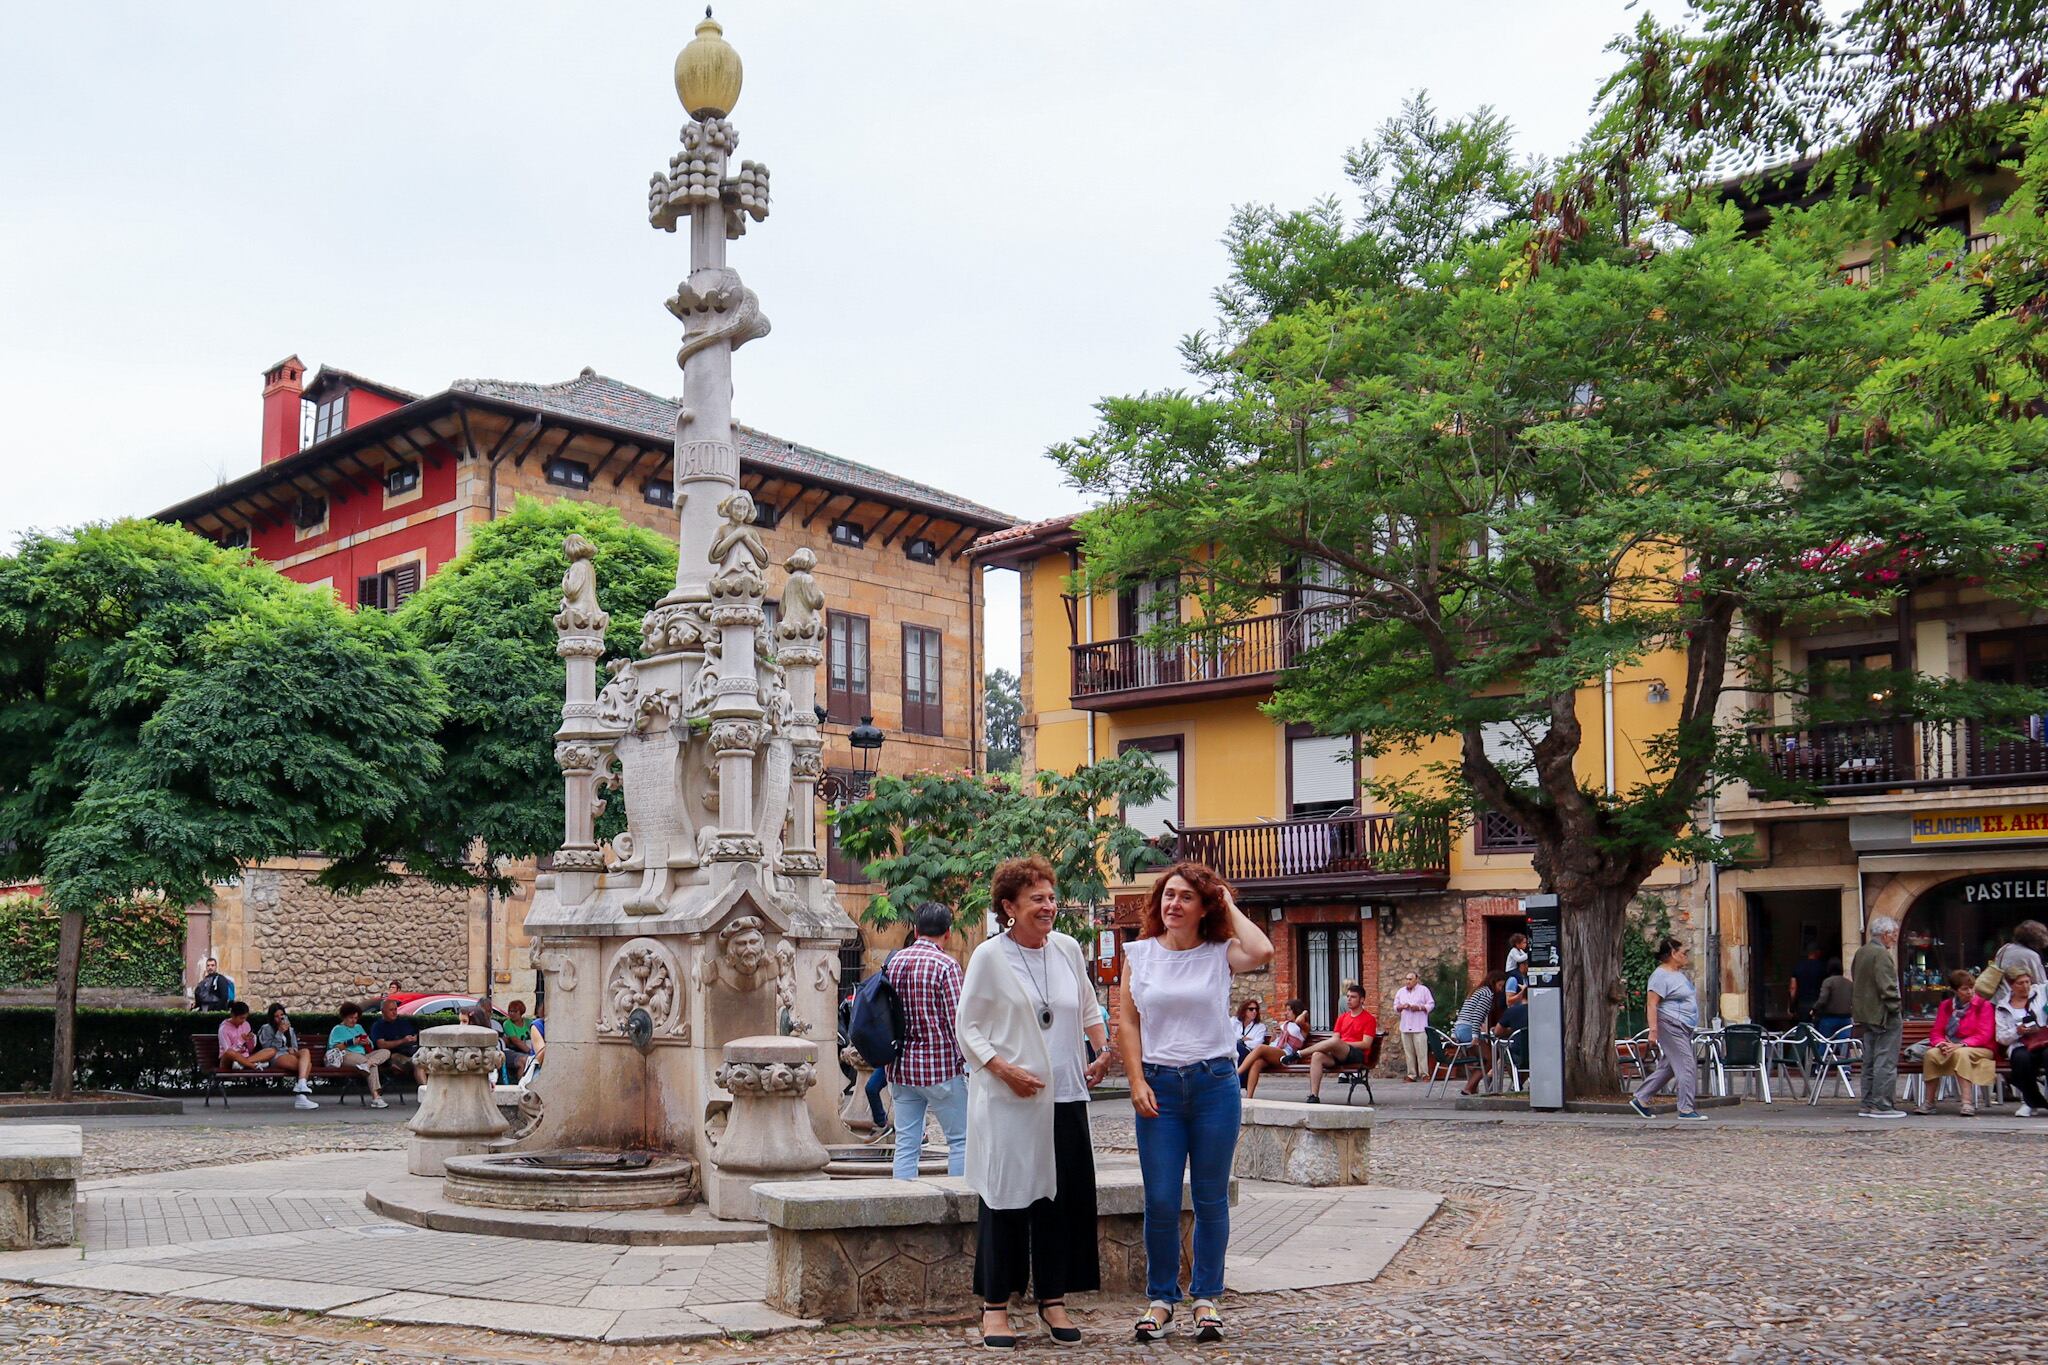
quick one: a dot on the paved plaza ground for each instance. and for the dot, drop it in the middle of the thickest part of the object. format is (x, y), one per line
(1763, 1235)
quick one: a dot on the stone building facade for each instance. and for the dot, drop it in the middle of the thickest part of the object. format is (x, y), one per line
(393, 483)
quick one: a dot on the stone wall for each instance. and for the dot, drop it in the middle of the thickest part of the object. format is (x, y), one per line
(314, 949)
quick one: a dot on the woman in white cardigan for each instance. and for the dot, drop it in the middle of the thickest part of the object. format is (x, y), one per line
(1025, 1006)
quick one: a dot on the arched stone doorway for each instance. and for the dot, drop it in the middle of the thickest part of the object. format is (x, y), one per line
(1960, 922)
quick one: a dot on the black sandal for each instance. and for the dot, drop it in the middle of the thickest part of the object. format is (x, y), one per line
(1065, 1336)
(1152, 1327)
(998, 1342)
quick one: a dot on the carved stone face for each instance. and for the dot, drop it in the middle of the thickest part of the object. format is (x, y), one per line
(747, 951)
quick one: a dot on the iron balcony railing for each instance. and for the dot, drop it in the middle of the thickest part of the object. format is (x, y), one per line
(1360, 849)
(1256, 647)
(1877, 755)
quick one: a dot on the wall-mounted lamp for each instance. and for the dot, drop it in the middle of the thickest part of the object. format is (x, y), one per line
(1658, 693)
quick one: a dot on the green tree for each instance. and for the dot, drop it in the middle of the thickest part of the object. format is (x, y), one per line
(938, 836)
(1523, 457)
(1899, 96)
(1003, 709)
(485, 621)
(170, 711)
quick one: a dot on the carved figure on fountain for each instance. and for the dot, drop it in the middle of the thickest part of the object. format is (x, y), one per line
(580, 613)
(643, 975)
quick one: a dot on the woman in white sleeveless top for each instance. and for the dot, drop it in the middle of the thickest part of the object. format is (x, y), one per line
(1179, 1048)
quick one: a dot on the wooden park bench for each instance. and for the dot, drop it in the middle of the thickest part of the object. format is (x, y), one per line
(1351, 1075)
(215, 1078)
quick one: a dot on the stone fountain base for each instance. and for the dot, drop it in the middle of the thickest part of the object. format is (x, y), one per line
(574, 1179)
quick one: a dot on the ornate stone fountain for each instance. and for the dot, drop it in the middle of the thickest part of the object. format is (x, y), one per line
(688, 962)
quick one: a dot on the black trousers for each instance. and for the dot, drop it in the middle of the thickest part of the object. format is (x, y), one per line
(1048, 1248)
(2027, 1065)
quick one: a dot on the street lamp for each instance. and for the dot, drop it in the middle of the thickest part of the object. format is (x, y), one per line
(840, 788)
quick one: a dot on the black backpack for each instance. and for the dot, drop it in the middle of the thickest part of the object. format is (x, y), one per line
(876, 1026)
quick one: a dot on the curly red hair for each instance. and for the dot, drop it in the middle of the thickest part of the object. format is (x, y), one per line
(1209, 888)
(1013, 878)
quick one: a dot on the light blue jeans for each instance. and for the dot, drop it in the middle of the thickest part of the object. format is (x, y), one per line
(1200, 1108)
(948, 1104)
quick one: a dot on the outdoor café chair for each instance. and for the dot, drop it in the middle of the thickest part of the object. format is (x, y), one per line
(1450, 1054)
(1833, 1058)
(1745, 1049)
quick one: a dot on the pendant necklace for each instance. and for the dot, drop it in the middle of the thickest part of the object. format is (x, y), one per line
(1044, 1004)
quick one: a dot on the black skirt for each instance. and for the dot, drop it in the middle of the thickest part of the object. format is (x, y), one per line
(1048, 1248)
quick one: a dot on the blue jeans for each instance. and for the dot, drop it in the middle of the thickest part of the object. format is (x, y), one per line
(947, 1103)
(1200, 1108)
(879, 1079)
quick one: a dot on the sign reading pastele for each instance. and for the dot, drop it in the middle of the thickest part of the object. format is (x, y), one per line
(1973, 826)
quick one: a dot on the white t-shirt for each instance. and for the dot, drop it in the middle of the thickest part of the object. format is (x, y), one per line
(1252, 1034)
(1183, 1001)
(1518, 961)
(1037, 970)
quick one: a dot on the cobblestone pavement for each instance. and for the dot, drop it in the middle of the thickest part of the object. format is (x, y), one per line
(172, 1146)
(1556, 1242)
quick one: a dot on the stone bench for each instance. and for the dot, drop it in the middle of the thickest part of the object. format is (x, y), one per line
(1304, 1144)
(869, 1251)
(39, 1168)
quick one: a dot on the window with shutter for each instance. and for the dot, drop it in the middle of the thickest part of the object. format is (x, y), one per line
(846, 668)
(841, 866)
(1320, 774)
(1152, 818)
(370, 591)
(405, 581)
(921, 675)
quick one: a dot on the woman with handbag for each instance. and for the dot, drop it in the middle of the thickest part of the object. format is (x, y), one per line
(1025, 1006)
(2022, 1008)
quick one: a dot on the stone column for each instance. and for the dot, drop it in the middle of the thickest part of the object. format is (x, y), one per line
(457, 1117)
(580, 748)
(800, 649)
(769, 1134)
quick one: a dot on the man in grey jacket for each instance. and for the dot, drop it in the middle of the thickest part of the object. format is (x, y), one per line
(1876, 1007)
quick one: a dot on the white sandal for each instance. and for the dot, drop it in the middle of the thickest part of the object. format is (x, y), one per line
(1153, 1325)
(1208, 1321)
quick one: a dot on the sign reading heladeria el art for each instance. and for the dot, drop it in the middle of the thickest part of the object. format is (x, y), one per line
(1976, 826)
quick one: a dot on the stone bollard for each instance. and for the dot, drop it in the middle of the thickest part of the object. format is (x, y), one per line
(854, 1112)
(457, 1117)
(1305, 1144)
(768, 1135)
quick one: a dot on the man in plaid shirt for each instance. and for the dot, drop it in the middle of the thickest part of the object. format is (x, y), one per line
(928, 1074)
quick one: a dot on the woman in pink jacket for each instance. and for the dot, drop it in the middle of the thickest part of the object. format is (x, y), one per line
(1965, 1032)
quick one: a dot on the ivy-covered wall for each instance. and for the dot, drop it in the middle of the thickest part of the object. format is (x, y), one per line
(140, 945)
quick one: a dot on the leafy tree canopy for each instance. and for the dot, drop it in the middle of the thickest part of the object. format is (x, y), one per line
(170, 711)
(1003, 706)
(1903, 97)
(1520, 457)
(938, 836)
(485, 620)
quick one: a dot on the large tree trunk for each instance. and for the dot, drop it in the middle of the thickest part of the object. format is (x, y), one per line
(1593, 919)
(64, 1044)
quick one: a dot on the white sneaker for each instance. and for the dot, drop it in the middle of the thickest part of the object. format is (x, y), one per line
(377, 1102)
(305, 1102)
(300, 1087)
(2023, 1112)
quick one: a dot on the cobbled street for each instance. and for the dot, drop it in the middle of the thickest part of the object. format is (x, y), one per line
(1558, 1241)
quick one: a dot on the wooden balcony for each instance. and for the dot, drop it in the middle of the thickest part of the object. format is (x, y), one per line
(1339, 856)
(1866, 757)
(1234, 659)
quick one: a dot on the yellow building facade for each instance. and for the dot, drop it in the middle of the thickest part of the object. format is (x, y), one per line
(1282, 813)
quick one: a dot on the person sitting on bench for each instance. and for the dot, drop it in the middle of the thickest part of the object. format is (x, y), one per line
(348, 1044)
(1284, 1047)
(1346, 1044)
(399, 1037)
(522, 1040)
(277, 1048)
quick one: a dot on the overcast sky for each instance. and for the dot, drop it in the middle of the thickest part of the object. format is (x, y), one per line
(986, 216)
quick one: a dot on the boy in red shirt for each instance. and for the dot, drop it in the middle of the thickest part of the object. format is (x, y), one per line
(1346, 1044)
